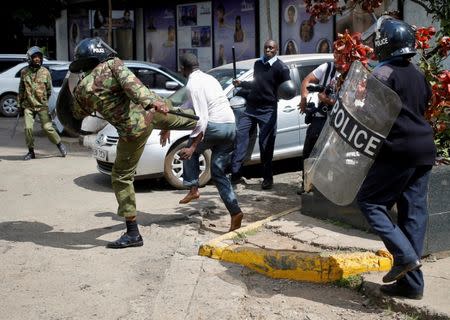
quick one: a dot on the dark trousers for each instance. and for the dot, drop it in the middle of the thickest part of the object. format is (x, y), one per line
(312, 134)
(388, 184)
(266, 120)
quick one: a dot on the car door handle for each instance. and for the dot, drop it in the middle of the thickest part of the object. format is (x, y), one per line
(289, 109)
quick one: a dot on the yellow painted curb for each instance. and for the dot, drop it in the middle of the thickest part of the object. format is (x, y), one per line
(293, 264)
(209, 249)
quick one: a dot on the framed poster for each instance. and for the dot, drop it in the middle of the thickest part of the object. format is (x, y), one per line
(160, 36)
(121, 19)
(194, 32)
(78, 30)
(234, 26)
(299, 35)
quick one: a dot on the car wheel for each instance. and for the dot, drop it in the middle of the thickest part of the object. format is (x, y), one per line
(173, 166)
(8, 105)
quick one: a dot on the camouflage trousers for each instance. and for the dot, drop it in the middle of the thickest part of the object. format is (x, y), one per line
(46, 125)
(128, 155)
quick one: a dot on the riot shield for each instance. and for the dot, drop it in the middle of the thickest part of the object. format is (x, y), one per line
(350, 141)
(64, 104)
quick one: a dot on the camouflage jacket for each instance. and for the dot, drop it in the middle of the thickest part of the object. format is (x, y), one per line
(35, 88)
(118, 95)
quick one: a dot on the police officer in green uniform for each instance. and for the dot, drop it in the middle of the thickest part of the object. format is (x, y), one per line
(111, 89)
(35, 89)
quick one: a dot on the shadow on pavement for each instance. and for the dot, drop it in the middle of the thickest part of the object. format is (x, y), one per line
(42, 234)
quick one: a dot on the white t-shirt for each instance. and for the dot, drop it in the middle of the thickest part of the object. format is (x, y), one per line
(319, 73)
(208, 100)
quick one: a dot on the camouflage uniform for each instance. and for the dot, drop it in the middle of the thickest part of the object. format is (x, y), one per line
(119, 96)
(35, 89)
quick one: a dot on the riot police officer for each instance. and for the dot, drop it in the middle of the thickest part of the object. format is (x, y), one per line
(326, 76)
(35, 89)
(109, 88)
(401, 170)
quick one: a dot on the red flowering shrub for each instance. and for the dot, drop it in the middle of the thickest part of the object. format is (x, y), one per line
(348, 48)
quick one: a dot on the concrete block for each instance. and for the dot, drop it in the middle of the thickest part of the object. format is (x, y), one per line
(436, 239)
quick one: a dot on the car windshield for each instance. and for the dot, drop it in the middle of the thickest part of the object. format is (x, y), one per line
(224, 76)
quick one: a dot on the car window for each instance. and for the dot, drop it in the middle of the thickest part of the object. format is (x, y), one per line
(175, 75)
(150, 78)
(57, 77)
(146, 76)
(7, 64)
(303, 71)
(225, 76)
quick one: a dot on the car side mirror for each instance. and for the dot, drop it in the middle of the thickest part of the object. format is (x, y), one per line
(237, 102)
(172, 85)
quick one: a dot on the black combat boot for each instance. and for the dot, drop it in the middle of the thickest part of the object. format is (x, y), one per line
(62, 149)
(30, 155)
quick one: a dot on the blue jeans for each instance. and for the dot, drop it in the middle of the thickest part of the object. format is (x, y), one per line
(384, 186)
(266, 119)
(219, 137)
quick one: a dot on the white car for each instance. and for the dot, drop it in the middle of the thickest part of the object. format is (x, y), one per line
(158, 78)
(157, 161)
(9, 86)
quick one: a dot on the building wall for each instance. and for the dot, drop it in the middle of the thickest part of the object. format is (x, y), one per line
(268, 23)
(415, 14)
(268, 26)
(62, 43)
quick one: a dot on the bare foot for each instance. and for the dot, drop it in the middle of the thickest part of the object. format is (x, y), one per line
(190, 196)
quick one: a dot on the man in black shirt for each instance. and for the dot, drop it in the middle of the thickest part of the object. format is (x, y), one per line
(401, 170)
(268, 73)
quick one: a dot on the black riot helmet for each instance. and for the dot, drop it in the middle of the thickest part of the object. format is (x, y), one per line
(287, 90)
(30, 53)
(393, 38)
(89, 53)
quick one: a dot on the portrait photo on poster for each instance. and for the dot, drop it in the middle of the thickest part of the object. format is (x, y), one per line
(290, 47)
(74, 33)
(98, 19)
(306, 31)
(222, 58)
(238, 32)
(290, 14)
(187, 16)
(323, 46)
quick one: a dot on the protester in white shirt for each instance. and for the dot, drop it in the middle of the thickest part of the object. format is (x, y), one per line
(215, 130)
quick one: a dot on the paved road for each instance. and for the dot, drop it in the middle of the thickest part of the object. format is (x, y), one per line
(57, 214)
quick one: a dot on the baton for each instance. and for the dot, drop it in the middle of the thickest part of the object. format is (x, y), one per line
(182, 114)
(13, 133)
(234, 61)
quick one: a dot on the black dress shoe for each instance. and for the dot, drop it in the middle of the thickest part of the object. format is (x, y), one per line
(397, 291)
(126, 241)
(300, 191)
(399, 271)
(62, 149)
(30, 155)
(266, 184)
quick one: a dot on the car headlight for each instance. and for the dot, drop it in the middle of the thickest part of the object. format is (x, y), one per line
(100, 140)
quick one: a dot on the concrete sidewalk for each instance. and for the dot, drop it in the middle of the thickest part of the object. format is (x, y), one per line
(293, 246)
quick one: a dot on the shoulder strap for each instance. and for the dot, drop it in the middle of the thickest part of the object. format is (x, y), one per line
(327, 73)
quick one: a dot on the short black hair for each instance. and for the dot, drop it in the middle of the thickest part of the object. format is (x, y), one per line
(189, 60)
